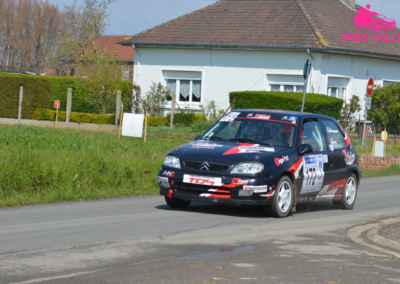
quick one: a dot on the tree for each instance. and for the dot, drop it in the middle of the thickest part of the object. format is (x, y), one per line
(85, 22)
(385, 108)
(29, 30)
(347, 115)
(154, 99)
(101, 75)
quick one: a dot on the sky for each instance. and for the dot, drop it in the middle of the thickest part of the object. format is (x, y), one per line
(129, 17)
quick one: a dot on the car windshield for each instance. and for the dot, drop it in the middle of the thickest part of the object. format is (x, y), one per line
(272, 130)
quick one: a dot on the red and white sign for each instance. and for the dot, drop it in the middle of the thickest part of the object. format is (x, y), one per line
(56, 104)
(370, 87)
(215, 181)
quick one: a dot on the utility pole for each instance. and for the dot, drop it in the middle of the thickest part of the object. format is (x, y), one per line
(306, 74)
(8, 55)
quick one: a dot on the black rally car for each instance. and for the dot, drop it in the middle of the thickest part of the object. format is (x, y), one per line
(263, 157)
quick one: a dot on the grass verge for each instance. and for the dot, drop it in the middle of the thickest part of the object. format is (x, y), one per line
(43, 165)
(393, 170)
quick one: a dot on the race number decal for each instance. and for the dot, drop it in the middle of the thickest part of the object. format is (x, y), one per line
(313, 173)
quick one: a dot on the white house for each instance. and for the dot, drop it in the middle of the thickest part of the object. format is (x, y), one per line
(236, 45)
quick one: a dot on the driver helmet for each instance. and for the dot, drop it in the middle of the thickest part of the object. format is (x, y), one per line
(253, 131)
(286, 131)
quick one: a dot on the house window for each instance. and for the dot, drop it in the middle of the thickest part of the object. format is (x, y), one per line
(125, 72)
(337, 87)
(287, 88)
(186, 90)
(337, 92)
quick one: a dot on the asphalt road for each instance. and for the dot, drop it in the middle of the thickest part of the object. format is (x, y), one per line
(55, 241)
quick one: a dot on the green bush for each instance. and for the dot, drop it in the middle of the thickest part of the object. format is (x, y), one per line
(47, 114)
(385, 109)
(36, 95)
(183, 118)
(291, 101)
(157, 121)
(199, 127)
(59, 88)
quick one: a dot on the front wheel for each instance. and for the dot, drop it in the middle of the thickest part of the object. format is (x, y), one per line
(283, 199)
(349, 194)
(177, 202)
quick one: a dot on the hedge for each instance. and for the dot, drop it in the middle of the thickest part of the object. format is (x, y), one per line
(183, 118)
(315, 103)
(157, 121)
(36, 95)
(47, 114)
(59, 88)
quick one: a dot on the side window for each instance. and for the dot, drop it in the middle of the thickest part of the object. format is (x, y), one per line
(335, 136)
(313, 134)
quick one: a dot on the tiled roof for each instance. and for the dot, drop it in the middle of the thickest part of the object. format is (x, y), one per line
(266, 23)
(109, 42)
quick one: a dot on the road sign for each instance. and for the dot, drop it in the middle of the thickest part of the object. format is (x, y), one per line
(306, 69)
(370, 87)
(368, 102)
(57, 104)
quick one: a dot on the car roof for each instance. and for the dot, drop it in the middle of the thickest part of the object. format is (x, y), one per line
(283, 112)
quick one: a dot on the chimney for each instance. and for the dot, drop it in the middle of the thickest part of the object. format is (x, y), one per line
(350, 3)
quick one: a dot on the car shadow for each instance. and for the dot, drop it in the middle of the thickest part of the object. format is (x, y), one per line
(314, 207)
(219, 209)
(247, 211)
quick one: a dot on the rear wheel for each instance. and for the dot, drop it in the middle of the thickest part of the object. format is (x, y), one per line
(177, 202)
(283, 199)
(349, 194)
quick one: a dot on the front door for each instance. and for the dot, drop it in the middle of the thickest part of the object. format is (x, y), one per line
(337, 152)
(317, 170)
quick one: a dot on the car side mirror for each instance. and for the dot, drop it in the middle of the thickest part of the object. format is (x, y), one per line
(305, 149)
(197, 137)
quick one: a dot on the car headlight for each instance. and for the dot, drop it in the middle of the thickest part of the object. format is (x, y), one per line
(248, 168)
(172, 161)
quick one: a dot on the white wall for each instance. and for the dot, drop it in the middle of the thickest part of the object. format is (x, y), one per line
(224, 71)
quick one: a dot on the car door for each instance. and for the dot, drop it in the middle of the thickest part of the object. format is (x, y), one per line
(337, 150)
(317, 169)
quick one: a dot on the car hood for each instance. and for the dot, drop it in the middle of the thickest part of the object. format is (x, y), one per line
(224, 152)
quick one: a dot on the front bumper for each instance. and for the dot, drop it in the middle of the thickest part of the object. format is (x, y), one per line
(230, 192)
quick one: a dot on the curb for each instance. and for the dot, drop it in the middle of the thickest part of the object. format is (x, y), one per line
(385, 245)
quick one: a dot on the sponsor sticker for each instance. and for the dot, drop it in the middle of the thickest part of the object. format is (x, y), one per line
(313, 173)
(250, 115)
(280, 161)
(205, 145)
(256, 189)
(162, 179)
(333, 142)
(230, 116)
(293, 119)
(349, 158)
(325, 158)
(262, 116)
(239, 181)
(330, 130)
(169, 174)
(205, 180)
(256, 148)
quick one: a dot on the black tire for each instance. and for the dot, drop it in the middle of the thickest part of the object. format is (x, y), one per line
(283, 199)
(177, 202)
(349, 194)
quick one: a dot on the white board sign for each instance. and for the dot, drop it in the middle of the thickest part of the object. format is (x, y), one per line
(368, 102)
(379, 149)
(132, 125)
